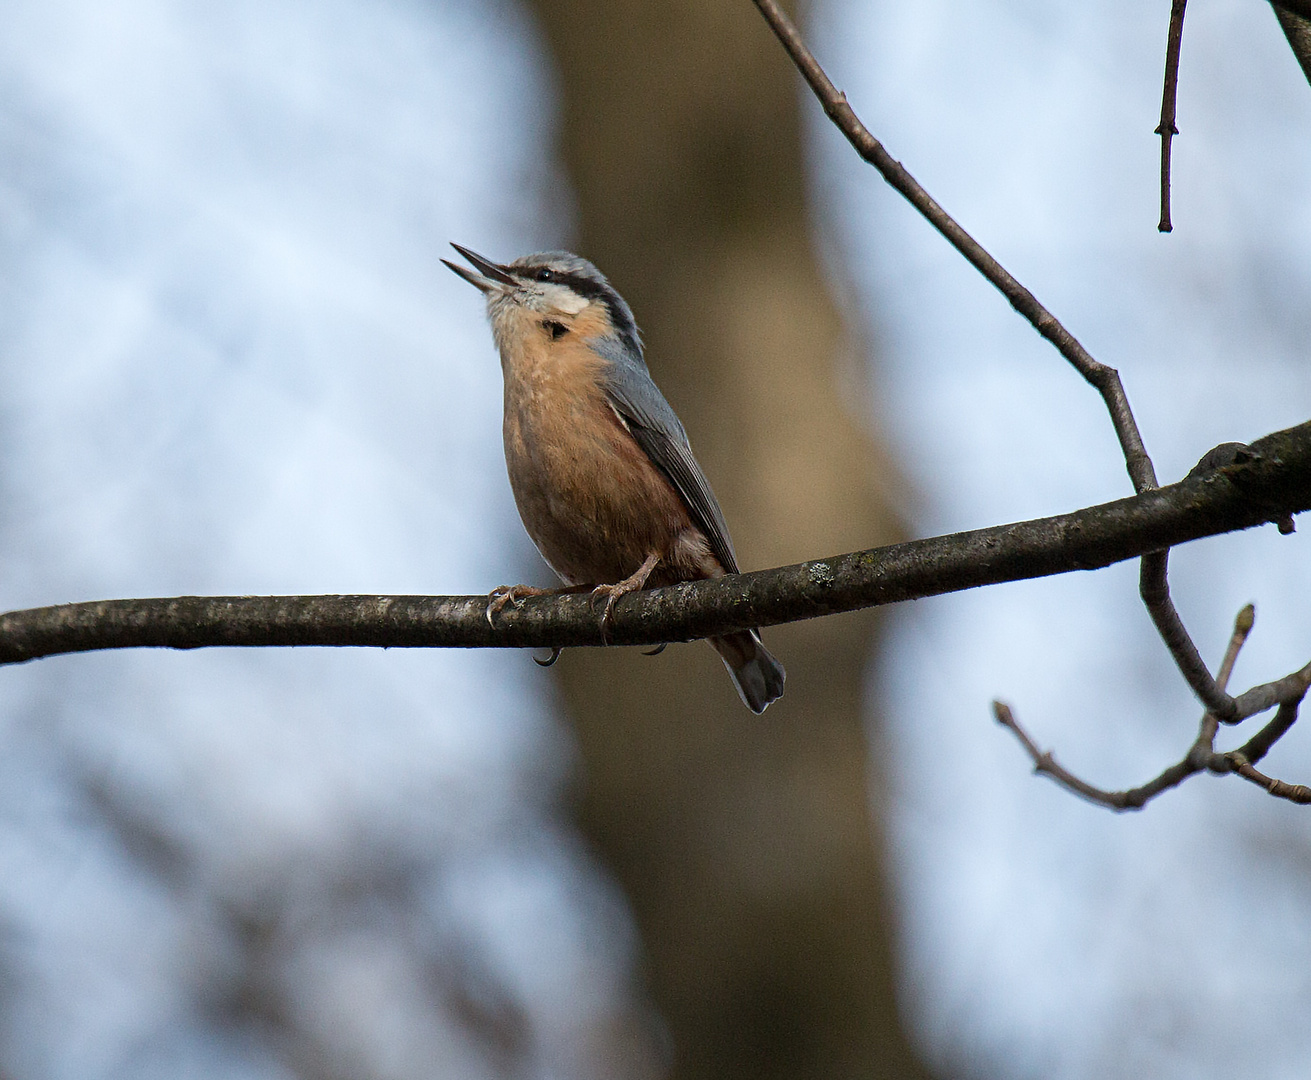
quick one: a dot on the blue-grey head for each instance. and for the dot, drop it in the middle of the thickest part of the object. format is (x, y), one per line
(556, 286)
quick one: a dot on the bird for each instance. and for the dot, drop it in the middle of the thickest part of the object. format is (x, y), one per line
(601, 469)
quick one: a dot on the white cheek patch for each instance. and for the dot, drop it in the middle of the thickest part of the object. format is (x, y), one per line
(563, 299)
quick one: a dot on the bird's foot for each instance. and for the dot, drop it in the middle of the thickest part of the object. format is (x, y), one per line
(612, 593)
(502, 595)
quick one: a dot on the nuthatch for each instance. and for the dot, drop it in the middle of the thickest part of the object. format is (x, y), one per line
(601, 469)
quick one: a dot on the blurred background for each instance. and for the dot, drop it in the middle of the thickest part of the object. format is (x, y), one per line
(233, 364)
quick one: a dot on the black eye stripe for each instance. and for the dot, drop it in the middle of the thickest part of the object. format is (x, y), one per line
(579, 284)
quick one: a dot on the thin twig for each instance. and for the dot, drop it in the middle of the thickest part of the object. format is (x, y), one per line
(1259, 744)
(1243, 624)
(1274, 479)
(1297, 793)
(1169, 93)
(1201, 755)
(1044, 762)
(1270, 694)
(1204, 748)
(1105, 379)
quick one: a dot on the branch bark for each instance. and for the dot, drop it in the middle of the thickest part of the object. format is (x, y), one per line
(1268, 481)
(1295, 20)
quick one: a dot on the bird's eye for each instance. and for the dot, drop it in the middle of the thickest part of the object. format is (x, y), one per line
(545, 274)
(557, 330)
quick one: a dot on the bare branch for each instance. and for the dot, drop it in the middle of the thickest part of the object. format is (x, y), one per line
(1272, 479)
(1201, 755)
(1243, 624)
(1155, 591)
(1298, 793)
(1105, 379)
(1045, 763)
(1259, 744)
(1154, 588)
(1204, 748)
(1169, 93)
(1154, 584)
(1267, 696)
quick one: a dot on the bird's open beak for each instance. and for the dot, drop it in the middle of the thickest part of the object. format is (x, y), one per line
(492, 276)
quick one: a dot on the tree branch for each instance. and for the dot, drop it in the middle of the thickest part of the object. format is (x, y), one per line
(1201, 755)
(1272, 479)
(1259, 744)
(1044, 763)
(1169, 96)
(1155, 591)
(1295, 20)
(1105, 379)
(1297, 793)
(1154, 585)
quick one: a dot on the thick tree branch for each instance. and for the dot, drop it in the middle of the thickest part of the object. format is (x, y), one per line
(1295, 20)
(1272, 479)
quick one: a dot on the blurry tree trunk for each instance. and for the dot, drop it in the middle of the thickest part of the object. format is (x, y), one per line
(745, 845)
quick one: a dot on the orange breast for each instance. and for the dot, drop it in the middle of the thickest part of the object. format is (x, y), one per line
(592, 501)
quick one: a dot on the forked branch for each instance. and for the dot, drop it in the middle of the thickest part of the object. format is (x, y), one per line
(1154, 585)
(1201, 756)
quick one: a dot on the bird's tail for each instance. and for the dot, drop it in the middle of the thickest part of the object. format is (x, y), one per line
(756, 674)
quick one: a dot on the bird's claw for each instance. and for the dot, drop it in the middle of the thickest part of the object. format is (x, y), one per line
(612, 593)
(550, 660)
(502, 595)
(496, 600)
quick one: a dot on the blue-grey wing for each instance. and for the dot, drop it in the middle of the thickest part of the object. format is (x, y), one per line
(659, 433)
